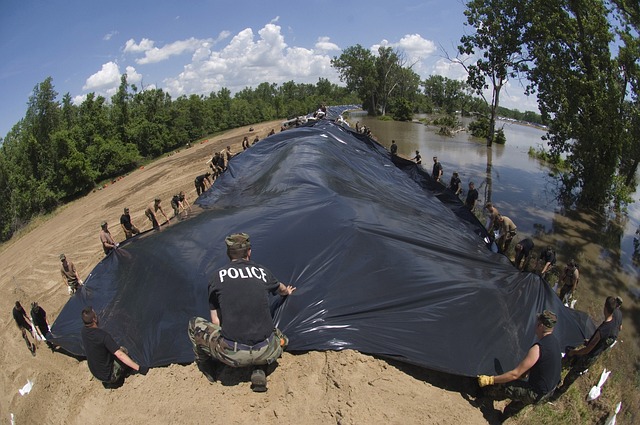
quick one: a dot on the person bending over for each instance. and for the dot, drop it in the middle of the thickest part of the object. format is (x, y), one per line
(581, 359)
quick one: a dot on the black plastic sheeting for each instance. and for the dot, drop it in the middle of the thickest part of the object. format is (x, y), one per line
(385, 260)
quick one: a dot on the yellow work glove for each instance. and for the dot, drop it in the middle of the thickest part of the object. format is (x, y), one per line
(484, 380)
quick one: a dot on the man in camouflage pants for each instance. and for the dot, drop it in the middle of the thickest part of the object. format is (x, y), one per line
(241, 331)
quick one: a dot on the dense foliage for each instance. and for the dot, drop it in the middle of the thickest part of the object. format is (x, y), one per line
(383, 82)
(582, 59)
(59, 150)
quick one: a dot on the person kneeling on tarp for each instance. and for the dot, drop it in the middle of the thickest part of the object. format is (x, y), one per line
(241, 331)
(543, 362)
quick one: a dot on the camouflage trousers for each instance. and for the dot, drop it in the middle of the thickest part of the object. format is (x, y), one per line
(519, 392)
(118, 369)
(208, 342)
(73, 285)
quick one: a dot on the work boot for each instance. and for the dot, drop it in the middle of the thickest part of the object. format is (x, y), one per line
(258, 380)
(208, 368)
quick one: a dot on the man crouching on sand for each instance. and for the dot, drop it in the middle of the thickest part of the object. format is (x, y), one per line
(107, 360)
(241, 332)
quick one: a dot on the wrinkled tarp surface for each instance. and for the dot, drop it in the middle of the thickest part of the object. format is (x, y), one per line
(385, 261)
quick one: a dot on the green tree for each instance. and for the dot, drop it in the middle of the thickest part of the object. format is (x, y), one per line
(41, 120)
(629, 52)
(580, 93)
(120, 109)
(356, 67)
(498, 45)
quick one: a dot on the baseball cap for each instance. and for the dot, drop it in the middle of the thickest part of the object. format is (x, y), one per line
(548, 318)
(238, 241)
(62, 257)
(104, 223)
(126, 210)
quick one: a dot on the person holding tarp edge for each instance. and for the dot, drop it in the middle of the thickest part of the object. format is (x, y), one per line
(581, 359)
(107, 360)
(241, 331)
(543, 364)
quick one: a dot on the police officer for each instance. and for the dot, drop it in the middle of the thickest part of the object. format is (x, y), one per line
(241, 331)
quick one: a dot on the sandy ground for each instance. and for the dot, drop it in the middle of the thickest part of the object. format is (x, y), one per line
(310, 388)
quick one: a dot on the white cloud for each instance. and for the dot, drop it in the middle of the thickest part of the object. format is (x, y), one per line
(417, 47)
(248, 60)
(107, 76)
(155, 54)
(131, 46)
(108, 36)
(132, 75)
(77, 100)
(324, 44)
(413, 46)
(449, 69)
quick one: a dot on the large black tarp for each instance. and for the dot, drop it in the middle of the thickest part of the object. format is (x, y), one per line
(385, 261)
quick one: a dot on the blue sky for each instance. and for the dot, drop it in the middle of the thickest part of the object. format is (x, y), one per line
(198, 46)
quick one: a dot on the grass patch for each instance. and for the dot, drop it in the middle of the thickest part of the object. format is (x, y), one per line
(542, 155)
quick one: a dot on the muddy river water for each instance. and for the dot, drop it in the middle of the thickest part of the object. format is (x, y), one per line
(524, 189)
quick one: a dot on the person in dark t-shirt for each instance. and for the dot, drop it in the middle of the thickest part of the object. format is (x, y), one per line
(241, 331)
(455, 185)
(547, 261)
(523, 249)
(202, 183)
(106, 359)
(24, 324)
(127, 225)
(543, 363)
(436, 172)
(179, 202)
(40, 322)
(472, 197)
(580, 359)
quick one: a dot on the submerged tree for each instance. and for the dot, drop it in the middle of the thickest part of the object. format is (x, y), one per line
(498, 45)
(580, 92)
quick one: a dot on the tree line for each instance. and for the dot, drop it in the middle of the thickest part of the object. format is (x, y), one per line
(60, 151)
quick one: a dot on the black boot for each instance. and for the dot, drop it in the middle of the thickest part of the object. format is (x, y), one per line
(259, 379)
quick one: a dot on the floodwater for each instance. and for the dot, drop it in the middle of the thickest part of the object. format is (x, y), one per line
(524, 189)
